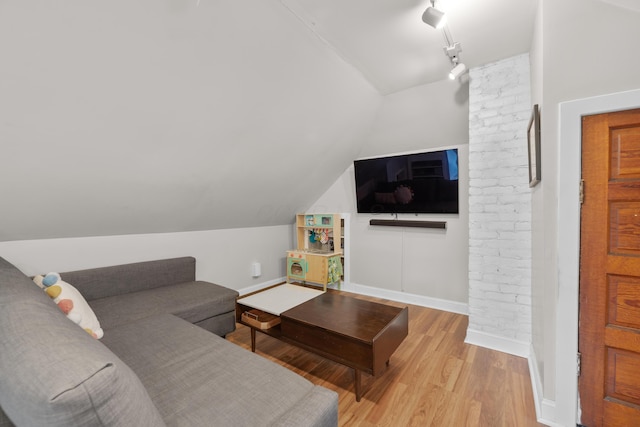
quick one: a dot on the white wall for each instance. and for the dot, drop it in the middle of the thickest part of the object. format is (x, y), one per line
(422, 266)
(222, 256)
(542, 312)
(427, 116)
(587, 49)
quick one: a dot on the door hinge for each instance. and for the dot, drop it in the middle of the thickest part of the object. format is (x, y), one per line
(578, 363)
(581, 191)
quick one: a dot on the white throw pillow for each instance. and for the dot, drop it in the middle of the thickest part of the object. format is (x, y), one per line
(71, 302)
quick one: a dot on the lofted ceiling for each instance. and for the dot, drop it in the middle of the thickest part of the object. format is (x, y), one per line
(391, 46)
(152, 116)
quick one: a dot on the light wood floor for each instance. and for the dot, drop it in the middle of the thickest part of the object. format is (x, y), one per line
(434, 378)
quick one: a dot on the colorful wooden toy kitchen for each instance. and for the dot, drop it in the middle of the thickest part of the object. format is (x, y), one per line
(318, 257)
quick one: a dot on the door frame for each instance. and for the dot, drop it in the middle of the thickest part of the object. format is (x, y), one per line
(568, 240)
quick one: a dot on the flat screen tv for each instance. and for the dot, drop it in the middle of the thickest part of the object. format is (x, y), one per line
(411, 183)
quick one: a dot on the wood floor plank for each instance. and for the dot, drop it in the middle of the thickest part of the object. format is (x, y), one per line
(434, 377)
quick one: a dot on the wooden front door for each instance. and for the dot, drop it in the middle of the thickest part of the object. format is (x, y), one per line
(609, 332)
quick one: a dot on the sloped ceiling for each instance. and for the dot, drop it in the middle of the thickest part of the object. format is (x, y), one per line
(395, 50)
(121, 117)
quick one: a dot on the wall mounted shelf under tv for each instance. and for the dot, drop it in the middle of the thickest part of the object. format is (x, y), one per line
(408, 223)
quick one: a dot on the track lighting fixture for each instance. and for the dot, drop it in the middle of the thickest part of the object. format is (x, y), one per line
(433, 16)
(452, 49)
(457, 71)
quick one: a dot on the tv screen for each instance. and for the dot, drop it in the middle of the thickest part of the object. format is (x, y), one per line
(411, 183)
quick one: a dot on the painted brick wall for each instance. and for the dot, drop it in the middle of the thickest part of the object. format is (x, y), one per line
(500, 200)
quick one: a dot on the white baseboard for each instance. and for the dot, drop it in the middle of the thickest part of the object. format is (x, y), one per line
(536, 381)
(494, 342)
(548, 413)
(436, 303)
(261, 286)
(545, 408)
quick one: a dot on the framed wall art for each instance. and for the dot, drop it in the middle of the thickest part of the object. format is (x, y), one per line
(533, 147)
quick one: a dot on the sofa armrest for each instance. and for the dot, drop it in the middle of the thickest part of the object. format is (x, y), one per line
(318, 408)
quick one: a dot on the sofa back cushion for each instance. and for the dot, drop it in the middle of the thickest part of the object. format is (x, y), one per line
(53, 373)
(104, 282)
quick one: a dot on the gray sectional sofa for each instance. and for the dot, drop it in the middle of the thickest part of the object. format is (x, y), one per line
(162, 361)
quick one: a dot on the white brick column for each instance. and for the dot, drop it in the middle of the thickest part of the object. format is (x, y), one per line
(500, 206)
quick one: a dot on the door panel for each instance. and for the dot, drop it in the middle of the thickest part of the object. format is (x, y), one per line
(624, 294)
(625, 153)
(622, 367)
(624, 228)
(610, 270)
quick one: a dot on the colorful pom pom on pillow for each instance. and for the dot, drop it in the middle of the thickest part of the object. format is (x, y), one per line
(71, 302)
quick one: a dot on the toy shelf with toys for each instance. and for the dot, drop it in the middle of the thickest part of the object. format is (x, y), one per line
(317, 258)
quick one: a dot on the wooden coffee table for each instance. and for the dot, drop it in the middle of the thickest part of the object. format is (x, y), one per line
(356, 333)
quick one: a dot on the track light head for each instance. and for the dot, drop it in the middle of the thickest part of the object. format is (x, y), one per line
(434, 17)
(457, 71)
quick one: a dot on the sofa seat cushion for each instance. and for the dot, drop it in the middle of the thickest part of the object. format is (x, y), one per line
(197, 378)
(192, 301)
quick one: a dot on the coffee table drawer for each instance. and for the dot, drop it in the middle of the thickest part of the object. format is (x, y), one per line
(259, 319)
(341, 349)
